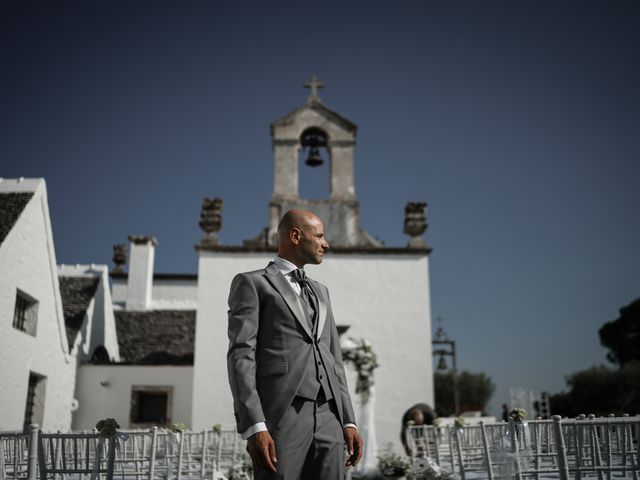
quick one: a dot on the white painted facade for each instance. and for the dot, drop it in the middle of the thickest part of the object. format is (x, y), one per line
(381, 294)
(384, 298)
(105, 391)
(99, 327)
(27, 262)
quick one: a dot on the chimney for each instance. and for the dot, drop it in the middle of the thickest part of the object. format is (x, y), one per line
(140, 280)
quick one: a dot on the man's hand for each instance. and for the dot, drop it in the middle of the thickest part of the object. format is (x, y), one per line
(262, 449)
(354, 446)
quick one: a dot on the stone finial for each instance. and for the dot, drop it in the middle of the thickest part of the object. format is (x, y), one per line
(119, 257)
(415, 223)
(143, 240)
(211, 220)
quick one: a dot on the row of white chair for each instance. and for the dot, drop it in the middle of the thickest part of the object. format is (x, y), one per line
(586, 447)
(135, 454)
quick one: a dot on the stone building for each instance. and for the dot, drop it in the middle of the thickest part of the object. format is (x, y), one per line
(160, 355)
(379, 294)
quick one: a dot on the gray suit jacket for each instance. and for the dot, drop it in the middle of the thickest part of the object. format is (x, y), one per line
(270, 343)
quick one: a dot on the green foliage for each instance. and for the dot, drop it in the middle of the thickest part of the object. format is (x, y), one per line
(107, 427)
(518, 414)
(600, 390)
(475, 390)
(622, 335)
(391, 464)
(178, 427)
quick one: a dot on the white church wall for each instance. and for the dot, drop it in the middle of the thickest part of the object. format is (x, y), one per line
(212, 402)
(27, 262)
(105, 391)
(385, 300)
(383, 297)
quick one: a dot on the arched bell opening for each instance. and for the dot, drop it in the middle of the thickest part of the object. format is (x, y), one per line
(314, 164)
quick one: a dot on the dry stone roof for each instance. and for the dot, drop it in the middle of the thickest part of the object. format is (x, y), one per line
(156, 337)
(11, 206)
(76, 293)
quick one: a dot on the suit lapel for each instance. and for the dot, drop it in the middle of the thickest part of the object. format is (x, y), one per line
(322, 305)
(276, 278)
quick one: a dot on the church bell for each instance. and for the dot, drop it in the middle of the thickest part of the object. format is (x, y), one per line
(442, 364)
(314, 159)
(313, 138)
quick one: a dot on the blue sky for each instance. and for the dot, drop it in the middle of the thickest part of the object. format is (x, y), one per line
(516, 121)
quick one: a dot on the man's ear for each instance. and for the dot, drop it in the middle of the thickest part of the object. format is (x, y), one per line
(295, 235)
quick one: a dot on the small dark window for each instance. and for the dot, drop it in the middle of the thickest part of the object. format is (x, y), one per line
(151, 405)
(34, 409)
(25, 315)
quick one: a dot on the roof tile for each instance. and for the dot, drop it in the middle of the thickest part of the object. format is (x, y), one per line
(76, 293)
(11, 206)
(156, 337)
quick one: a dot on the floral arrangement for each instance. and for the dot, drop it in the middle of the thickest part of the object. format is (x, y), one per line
(426, 469)
(459, 422)
(391, 464)
(107, 427)
(394, 465)
(217, 428)
(178, 427)
(436, 422)
(242, 470)
(365, 361)
(518, 414)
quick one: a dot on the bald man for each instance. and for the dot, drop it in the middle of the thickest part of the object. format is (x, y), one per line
(419, 414)
(285, 368)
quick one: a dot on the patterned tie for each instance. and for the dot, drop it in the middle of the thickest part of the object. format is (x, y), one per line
(305, 292)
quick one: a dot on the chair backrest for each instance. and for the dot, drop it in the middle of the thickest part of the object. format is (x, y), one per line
(76, 453)
(160, 453)
(14, 455)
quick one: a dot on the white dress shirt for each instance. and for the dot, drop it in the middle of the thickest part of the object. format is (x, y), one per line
(286, 267)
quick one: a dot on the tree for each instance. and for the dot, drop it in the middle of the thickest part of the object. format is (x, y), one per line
(475, 390)
(622, 335)
(600, 390)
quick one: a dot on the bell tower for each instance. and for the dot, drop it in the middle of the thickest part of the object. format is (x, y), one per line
(308, 129)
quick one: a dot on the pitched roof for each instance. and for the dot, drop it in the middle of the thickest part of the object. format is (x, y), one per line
(320, 108)
(76, 293)
(156, 337)
(11, 206)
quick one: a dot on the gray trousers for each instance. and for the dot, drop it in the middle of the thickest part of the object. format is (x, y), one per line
(309, 443)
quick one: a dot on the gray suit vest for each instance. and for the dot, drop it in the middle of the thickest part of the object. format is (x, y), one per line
(315, 377)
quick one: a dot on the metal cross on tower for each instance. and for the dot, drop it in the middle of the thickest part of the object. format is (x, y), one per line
(314, 85)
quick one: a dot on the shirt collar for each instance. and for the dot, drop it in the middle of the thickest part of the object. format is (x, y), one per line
(285, 266)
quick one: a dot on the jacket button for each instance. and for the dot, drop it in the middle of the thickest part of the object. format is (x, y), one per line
(320, 377)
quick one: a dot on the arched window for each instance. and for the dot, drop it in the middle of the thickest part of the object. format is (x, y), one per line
(100, 355)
